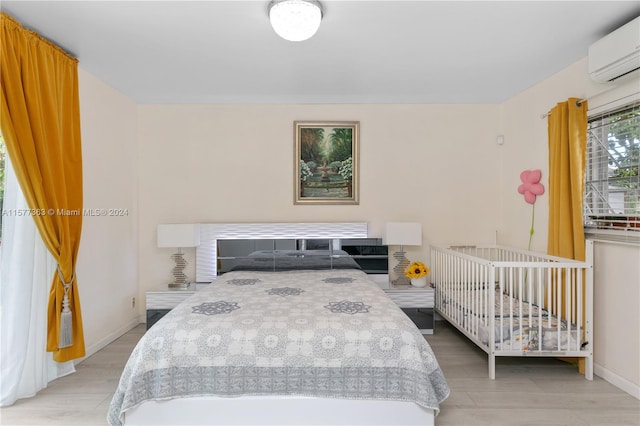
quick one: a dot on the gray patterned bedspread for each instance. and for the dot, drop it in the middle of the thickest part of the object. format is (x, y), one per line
(332, 334)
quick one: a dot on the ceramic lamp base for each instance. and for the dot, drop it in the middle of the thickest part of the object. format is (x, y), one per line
(403, 263)
(179, 285)
(180, 280)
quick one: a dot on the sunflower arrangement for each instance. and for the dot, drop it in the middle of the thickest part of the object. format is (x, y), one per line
(417, 269)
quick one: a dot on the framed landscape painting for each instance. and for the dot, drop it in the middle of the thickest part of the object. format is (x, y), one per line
(326, 162)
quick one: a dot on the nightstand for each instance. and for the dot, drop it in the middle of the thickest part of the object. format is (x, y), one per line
(381, 279)
(417, 303)
(161, 300)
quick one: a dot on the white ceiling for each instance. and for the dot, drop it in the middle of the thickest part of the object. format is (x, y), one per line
(364, 51)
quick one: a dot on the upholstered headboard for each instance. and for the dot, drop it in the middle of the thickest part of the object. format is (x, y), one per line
(207, 252)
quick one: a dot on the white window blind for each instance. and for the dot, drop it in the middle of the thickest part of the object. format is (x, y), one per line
(612, 185)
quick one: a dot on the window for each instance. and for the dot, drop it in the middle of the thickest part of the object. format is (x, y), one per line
(612, 186)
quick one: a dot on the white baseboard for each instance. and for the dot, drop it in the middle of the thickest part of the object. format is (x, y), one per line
(617, 381)
(90, 350)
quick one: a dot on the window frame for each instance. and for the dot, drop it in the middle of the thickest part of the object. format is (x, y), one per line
(616, 225)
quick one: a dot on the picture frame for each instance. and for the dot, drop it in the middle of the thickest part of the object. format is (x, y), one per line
(326, 162)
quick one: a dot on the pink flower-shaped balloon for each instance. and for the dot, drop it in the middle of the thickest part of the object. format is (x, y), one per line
(531, 186)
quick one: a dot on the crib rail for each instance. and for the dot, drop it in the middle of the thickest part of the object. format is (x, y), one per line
(514, 302)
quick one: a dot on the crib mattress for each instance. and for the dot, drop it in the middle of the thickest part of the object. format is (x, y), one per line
(518, 325)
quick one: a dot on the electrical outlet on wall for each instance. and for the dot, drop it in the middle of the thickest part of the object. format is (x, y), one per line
(133, 302)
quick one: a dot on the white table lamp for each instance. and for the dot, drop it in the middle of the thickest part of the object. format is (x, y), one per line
(178, 236)
(402, 234)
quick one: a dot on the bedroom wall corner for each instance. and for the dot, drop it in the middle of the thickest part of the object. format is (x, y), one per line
(108, 260)
(616, 335)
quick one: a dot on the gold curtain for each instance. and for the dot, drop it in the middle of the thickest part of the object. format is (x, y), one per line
(40, 121)
(567, 161)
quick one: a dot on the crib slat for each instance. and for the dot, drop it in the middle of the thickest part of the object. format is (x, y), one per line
(470, 282)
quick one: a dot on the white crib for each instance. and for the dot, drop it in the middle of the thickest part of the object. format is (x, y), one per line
(524, 303)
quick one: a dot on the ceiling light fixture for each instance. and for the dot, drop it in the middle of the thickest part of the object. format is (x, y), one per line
(295, 20)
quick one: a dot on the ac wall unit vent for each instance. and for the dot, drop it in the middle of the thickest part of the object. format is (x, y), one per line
(616, 54)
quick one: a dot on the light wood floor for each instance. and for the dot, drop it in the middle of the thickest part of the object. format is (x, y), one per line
(527, 391)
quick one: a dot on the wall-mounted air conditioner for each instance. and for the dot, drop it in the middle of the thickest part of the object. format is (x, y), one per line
(616, 54)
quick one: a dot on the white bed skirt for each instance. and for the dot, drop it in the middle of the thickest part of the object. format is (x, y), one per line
(269, 410)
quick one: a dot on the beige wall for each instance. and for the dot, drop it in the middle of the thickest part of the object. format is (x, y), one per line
(617, 315)
(108, 257)
(436, 164)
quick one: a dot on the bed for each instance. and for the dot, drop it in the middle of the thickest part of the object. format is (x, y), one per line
(285, 337)
(513, 302)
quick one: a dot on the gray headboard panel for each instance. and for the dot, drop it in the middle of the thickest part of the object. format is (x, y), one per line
(210, 233)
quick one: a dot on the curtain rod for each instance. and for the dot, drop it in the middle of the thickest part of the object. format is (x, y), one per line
(579, 101)
(548, 113)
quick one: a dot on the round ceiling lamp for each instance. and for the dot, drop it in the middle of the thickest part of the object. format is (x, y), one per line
(295, 20)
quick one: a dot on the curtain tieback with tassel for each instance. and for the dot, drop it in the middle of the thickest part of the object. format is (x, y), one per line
(66, 330)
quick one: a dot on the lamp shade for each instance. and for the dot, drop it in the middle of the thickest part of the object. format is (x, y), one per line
(179, 235)
(402, 234)
(295, 20)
